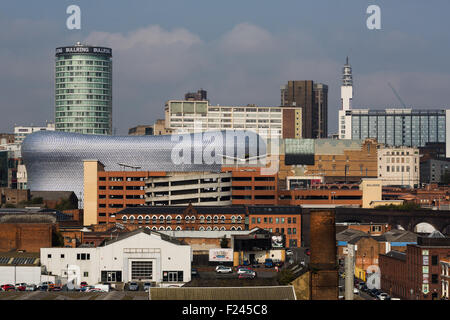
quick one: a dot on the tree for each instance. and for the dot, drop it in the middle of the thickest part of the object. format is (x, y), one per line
(65, 204)
(224, 242)
(57, 239)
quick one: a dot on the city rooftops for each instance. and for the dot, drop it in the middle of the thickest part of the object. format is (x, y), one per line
(396, 255)
(224, 293)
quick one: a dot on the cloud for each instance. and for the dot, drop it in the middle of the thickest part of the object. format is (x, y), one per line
(246, 38)
(245, 64)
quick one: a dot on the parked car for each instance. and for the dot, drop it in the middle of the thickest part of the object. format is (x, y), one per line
(246, 263)
(289, 252)
(355, 291)
(243, 270)
(21, 286)
(194, 272)
(56, 288)
(383, 296)
(94, 289)
(374, 292)
(30, 287)
(248, 274)
(8, 287)
(49, 284)
(224, 269)
(361, 285)
(147, 286)
(268, 263)
(133, 286)
(86, 288)
(43, 287)
(83, 284)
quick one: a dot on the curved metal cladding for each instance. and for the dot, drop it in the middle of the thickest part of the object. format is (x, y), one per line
(54, 160)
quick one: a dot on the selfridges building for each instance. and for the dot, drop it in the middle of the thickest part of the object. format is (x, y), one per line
(54, 160)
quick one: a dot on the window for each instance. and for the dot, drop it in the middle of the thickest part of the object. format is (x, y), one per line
(289, 220)
(282, 220)
(85, 274)
(277, 220)
(83, 256)
(434, 278)
(265, 220)
(270, 220)
(294, 220)
(289, 230)
(294, 230)
(62, 256)
(253, 220)
(434, 260)
(258, 220)
(49, 256)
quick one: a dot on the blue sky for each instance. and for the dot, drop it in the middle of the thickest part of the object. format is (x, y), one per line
(239, 51)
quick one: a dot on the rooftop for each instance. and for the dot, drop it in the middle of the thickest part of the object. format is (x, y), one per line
(224, 293)
(396, 255)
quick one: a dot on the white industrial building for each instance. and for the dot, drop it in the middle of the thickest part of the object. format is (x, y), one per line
(399, 166)
(140, 255)
(20, 267)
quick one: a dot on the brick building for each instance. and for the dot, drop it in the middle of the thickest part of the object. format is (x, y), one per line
(106, 192)
(416, 274)
(344, 161)
(284, 220)
(13, 196)
(25, 231)
(202, 218)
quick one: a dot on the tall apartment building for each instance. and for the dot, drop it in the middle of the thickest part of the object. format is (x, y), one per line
(399, 166)
(395, 127)
(392, 126)
(185, 116)
(181, 188)
(83, 89)
(312, 98)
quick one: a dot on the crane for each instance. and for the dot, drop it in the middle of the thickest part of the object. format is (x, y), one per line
(397, 95)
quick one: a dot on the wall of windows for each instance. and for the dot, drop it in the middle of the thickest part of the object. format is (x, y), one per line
(83, 84)
(411, 128)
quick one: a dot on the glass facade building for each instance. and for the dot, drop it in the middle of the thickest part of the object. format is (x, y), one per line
(396, 127)
(83, 89)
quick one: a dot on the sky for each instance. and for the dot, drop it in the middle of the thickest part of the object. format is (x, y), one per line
(241, 52)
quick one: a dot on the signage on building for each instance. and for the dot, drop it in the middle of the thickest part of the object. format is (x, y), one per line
(277, 241)
(81, 49)
(425, 278)
(221, 255)
(425, 288)
(425, 269)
